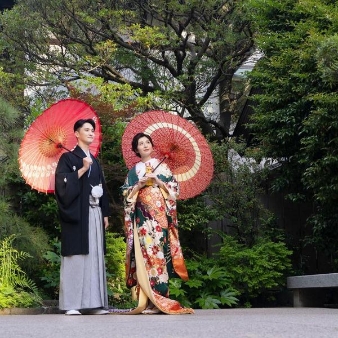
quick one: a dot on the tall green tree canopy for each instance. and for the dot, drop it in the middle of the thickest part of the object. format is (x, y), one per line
(11, 133)
(296, 118)
(161, 54)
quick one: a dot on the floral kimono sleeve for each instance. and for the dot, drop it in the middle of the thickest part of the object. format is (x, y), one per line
(172, 190)
(128, 201)
(129, 217)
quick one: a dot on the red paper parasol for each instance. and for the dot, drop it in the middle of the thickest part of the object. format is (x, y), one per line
(48, 137)
(189, 155)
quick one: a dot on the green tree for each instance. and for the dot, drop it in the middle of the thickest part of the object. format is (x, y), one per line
(29, 237)
(165, 54)
(11, 133)
(295, 118)
(235, 194)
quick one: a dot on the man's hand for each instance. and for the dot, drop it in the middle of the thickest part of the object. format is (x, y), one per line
(106, 222)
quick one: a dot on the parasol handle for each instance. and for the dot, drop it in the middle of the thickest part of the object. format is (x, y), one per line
(165, 157)
(59, 145)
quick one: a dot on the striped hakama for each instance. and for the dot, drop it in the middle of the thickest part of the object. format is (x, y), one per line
(83, 283)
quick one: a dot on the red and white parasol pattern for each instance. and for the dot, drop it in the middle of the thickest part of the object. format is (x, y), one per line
(48, 137)
(184, 148)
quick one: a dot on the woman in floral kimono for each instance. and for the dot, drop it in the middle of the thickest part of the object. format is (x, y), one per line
(153, 249)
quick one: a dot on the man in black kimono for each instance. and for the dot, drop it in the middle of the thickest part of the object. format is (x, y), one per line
(84, 209)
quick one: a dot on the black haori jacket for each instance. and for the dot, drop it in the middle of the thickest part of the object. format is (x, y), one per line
(72, 196)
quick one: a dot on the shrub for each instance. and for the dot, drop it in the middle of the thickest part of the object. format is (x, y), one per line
(16, 289)
(208, 286)
(51, 270)
(28, 238)
(257, 269)
(119, 295)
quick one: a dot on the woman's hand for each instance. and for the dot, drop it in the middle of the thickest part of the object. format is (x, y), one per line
(142, 182)
(155, 179)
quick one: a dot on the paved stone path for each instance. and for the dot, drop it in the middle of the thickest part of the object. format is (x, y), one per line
(229, 323)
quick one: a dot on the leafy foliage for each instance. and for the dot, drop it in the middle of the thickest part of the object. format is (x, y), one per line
(29, 238)
(50, 271)
(132, 52)
(254, 270)
(194, 219)
(11, 131)
(235, 194)
(16, 289)
(39, 210)
(295, 116)
(327, 61)
(233, 198)
(207, 288)
(114, 168)
(235, 276)
(119, 294)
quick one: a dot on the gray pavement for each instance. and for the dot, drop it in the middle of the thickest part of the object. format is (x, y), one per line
(230, 323)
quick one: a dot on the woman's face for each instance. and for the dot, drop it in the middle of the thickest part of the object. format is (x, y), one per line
(144, 148)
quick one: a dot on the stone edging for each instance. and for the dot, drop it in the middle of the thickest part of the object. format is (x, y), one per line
(31, 311)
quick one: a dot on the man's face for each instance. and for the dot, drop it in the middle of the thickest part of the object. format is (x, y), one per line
(85, 134)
